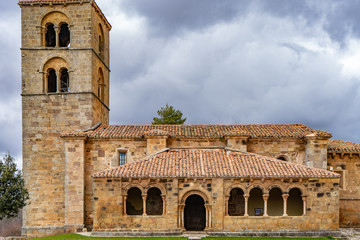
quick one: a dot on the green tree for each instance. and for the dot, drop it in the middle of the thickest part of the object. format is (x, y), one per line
(168, 115)
(13, 194)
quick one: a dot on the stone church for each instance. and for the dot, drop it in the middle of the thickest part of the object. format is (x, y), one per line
(86, 175)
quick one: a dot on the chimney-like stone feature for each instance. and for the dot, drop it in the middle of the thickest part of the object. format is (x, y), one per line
(156, 140)
(316, 149)
(237, 139)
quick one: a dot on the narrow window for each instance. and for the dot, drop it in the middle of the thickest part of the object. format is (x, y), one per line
(236, 202)
(256, 202)
(52, 81)
(154, 202)
(275, 202)
(294, 203)
(101, 41)
(64, 80)
(134, 202)
(101, 85)
(64, 35)
(50, 36)
(122, 158)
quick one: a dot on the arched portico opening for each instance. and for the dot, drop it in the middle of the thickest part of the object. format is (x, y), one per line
(195, 213)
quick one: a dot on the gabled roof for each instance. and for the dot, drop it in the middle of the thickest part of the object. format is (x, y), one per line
(212, 162)
(203, 131)
(340, 146)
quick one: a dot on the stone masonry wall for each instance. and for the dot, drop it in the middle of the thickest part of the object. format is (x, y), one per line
(293, 150)
(45, 117)
(349, 167)
(101, 155)
(321, 196)
(109, 206)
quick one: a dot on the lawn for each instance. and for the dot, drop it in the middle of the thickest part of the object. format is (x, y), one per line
(76, 236)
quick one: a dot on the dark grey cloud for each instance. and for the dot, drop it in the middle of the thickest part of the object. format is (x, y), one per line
(171, 16)
(219, 62)
(343, 20)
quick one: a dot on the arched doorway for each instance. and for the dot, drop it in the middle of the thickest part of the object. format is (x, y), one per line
(195, 213)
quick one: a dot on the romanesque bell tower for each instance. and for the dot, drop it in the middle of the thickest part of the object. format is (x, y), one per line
(65, 87)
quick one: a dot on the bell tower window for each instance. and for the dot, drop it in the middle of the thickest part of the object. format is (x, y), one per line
(50, 36)
(101, 41)
(64, 35)
(101, 85)
(55, 30)
(56, 76)
(64, 80)
(52, 80)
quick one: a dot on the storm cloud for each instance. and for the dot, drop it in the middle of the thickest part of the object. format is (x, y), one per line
(220, 62)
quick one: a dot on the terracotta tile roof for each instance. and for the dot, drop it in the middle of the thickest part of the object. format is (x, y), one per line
(341, 146)
(212, 162)
(202, 131)
(50, 1)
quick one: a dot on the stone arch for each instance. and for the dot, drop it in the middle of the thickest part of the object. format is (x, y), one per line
(64, 34)
(64, 80)
(130, 185)
(154, 201)
(256, 185)
(160, 187)
(101, 47)
(271, 186)
(283, 157)
(299, 186)
(228, 190)
(275, 202)
(57, 64)
(55, 18)
(101, 84)
(256, 202)
(236, 202)
(134, 201)
(196, 192)
(295, 202)
(195, 215)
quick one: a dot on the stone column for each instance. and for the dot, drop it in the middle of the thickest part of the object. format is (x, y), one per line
(181, 216)
(124, 204)
(57, 31)
(164, 203)
(285, 197)
(304, 205)
(227, 205)
(46, 84)
(246, 196)
(58, 82)
(265, 197)
(144, 204)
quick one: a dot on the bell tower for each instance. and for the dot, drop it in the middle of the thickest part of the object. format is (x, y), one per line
(65, 87)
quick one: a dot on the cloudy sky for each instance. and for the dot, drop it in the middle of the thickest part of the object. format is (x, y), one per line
(218, 61)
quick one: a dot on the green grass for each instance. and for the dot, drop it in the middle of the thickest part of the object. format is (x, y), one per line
(77, 236)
